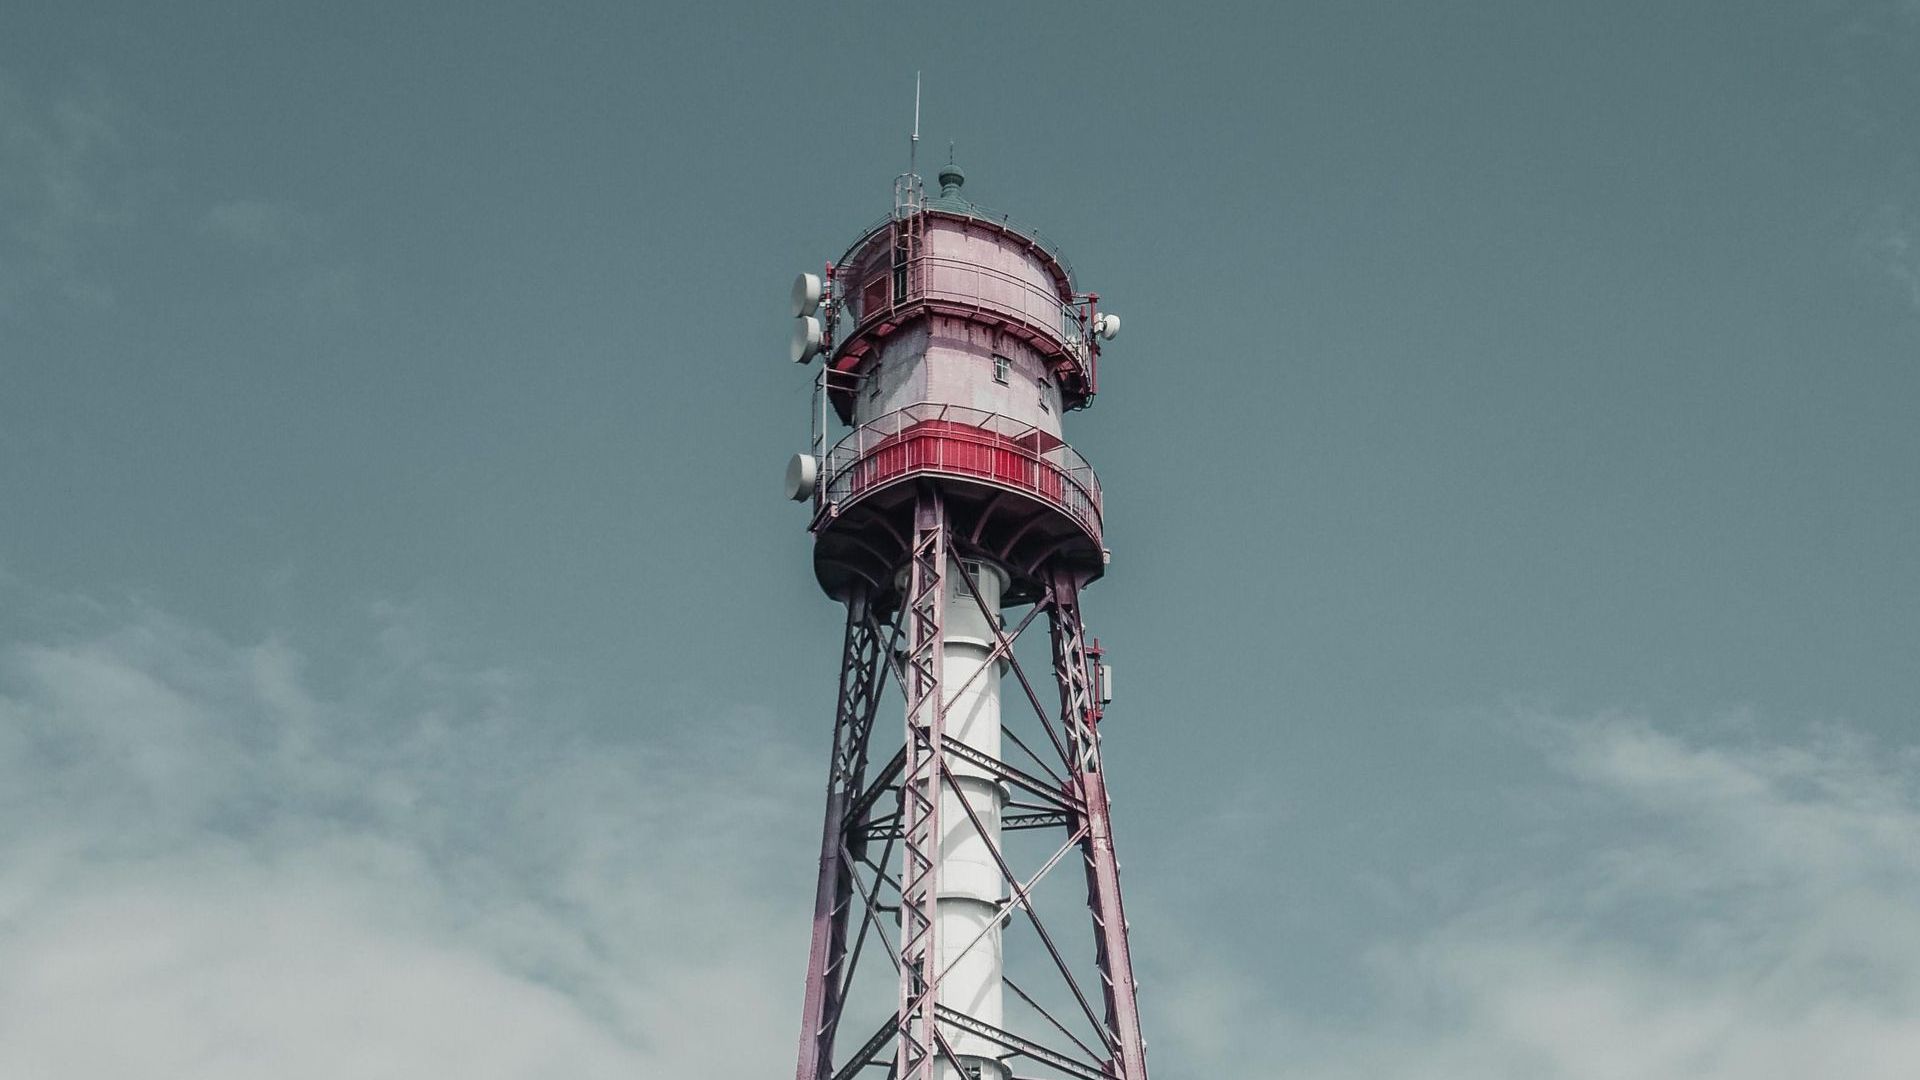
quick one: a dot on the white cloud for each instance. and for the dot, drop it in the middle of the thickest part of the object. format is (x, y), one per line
(306, 276)
(260, 223)
(1887, 242)
(83, 181)
(1745, 910)
(60, 192)
(1877, 47)
(208, 870)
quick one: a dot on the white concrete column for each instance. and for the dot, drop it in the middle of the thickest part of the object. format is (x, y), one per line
(971, 886)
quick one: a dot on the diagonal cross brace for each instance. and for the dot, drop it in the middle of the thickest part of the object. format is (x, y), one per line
(1080, 715)
(1024, 1047)
(925, 613)
(862, 676)
(868, 1050)
(1002, 771)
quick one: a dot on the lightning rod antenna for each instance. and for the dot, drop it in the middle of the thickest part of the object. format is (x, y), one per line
(913, 147)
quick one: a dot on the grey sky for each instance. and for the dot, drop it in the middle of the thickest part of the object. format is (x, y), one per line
(1510, 459)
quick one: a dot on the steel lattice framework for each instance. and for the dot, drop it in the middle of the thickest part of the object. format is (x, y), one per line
(897, 807)
(953, 342)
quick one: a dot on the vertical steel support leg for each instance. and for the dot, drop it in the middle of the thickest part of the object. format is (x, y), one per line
(862, 668)
(1080, 716)
(925, 614)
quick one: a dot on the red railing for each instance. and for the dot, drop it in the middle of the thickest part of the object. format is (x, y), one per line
(968, 284)
(957, 441)
(960, 283)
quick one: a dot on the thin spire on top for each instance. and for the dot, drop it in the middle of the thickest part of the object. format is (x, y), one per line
(913, 147)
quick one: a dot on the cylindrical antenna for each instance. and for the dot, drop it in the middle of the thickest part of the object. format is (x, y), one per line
(913, 147)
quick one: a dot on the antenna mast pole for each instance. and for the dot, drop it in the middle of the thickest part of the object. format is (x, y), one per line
(913, 146)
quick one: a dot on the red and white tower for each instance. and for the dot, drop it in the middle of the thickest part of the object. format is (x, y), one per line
(949, 519)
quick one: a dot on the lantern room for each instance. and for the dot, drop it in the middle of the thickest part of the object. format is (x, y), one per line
(954, 341)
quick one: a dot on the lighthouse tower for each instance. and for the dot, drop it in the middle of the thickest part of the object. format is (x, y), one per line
(949, 516)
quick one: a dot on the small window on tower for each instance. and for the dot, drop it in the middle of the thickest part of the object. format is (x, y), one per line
(1046, 389)
(873, 382)
(1000, 366)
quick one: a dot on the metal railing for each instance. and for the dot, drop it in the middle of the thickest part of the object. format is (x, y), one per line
(959, 441)
(971, 212)
(969, 284)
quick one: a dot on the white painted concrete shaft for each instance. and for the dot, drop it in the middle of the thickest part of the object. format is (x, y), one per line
(971, 885)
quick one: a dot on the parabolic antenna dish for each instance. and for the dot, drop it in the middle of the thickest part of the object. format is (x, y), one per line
(802, 471)
(806, 294)
(806, 339)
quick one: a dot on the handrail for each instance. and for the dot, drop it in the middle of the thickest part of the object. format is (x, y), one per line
(960, 208)
(967, 442)
(930, 277)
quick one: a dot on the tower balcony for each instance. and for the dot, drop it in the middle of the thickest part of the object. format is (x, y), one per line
(1016, 493)
(942, 261)
(965, 286)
